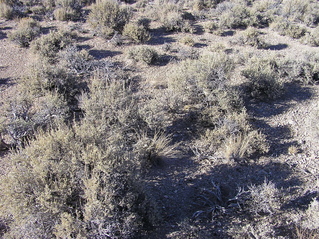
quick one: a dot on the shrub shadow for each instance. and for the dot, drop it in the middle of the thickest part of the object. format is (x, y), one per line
(160, 37)
(277, 47)
(101, 54)
(292, 92)
(183, 197)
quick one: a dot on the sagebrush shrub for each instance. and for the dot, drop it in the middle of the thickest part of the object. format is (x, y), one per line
(143, 54)
(263, 80)
(235, 16)
(27, 113)
(107, 16)
(252, 37)
(187, 40)
(84, 180)
(27, 30)
(49, 45)
(136, 32)
(284, 27)
(264, 198)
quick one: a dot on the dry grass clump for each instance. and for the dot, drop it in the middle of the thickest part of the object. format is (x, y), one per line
(108, 17)
(245, 144)
(28, 29)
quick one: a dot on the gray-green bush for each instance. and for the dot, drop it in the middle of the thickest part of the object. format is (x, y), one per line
(27, 30)
(108, 17)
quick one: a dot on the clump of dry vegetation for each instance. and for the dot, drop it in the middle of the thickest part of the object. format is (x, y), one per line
(27, 30)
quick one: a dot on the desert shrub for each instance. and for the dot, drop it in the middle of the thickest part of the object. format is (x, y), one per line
(107, 17)
(210, 26)
(172, 17)
(187, 40)
(205, 4)
(67, 9)
(310, 219)
(137, 32)
(264, 198)
(152, 150)
(263, 79)
(252, 37)
(49, 45)
(143, 54)
(286, 28)
(312, 37)
(85, 180)
(262, 13)
(45, 77)
(303, 68)
(6, 11)
(28, 29)
(233, 15)
(26, 114)
(75, 61)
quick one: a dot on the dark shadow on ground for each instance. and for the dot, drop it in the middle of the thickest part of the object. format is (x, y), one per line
(84, 47)
(280, 137)
(200, 45)
(277, 47)
(6, 82)
(228, 33)
(164, 60)
(47, 30)
(208, 198)
(3, 35)
(302, 202)
(101, 54)
(160, 37)
(292, 92)
(82, 39)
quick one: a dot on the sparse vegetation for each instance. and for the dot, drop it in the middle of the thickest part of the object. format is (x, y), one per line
(159, 119)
